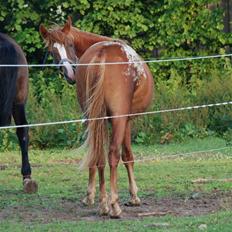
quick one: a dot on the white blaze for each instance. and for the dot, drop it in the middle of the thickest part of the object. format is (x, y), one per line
(63, 55)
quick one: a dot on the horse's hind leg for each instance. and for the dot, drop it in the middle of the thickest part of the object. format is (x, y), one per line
(90, 196)
(103, 198)
(22, 134)
(89, 199)
(128, 159)
(118, 130)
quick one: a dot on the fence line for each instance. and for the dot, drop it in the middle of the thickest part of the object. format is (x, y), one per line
(178, 155)
(181, 155)
(119, 116)
(161, 156)
(126, 62)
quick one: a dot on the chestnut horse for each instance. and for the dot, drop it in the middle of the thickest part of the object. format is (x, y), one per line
(103, 90)
(13, 96)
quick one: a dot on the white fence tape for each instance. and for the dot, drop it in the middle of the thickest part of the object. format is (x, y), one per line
(128, 62)
(119, 116)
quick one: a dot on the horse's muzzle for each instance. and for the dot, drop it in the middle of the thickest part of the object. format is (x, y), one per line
(69, 80)
(68, 71)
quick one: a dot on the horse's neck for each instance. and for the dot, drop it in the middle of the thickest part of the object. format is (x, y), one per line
(84, 40)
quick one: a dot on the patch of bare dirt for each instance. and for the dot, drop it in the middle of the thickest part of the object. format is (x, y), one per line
(196, 204)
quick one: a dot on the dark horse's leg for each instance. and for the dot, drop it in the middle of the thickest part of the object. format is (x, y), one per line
(22, 134)
(127, 157)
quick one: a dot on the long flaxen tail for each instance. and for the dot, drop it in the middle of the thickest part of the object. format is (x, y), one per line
(8, 76)
(97, 133)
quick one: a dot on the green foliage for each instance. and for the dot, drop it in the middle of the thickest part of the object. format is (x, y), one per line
(228, 136)
(53, 101)
(176, 28)
(157, 29)
(174, 93)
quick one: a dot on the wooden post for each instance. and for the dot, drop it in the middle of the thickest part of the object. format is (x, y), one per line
(230, 14)
(227, 6)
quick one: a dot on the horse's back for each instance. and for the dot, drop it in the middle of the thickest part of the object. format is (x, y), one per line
(128, 88)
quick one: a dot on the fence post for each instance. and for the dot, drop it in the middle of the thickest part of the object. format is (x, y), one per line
(227, 6)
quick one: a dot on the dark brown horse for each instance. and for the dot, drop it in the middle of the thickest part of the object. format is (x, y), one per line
(13, 96)
(103, 90)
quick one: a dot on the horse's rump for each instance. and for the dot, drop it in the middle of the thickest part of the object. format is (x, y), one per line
(8, 76)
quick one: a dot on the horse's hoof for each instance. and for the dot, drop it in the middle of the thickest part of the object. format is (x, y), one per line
(115, 212)
(87, 201)
(103, 209)
(134, 201)
(30, 186)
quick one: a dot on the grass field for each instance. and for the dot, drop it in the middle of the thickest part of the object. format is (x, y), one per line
(165, 186)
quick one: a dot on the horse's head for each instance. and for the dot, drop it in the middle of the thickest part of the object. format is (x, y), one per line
(60, 44)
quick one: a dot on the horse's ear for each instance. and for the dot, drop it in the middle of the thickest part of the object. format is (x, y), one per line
(67, 25)
(43, 31)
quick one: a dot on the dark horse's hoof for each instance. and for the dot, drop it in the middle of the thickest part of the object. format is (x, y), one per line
(30, 186)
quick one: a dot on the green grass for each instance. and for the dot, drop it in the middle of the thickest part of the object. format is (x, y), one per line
(217, 222)
(62, 185)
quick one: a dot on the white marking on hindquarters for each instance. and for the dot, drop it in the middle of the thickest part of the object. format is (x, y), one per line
(63, 55)
(134, 69)
(132, 56)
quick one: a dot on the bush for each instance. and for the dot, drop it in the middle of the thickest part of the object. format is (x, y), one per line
(216, 87)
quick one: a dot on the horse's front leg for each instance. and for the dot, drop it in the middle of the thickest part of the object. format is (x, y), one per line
(90, 196)
(19, 115)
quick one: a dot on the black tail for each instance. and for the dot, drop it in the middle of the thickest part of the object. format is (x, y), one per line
(8, 76)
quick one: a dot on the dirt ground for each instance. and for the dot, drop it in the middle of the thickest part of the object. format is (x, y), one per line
(196, 204)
